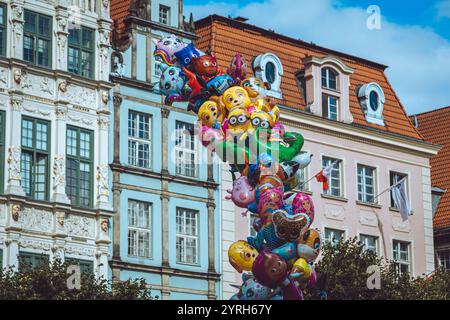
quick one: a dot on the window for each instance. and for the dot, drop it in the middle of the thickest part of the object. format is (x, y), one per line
(270, 72)
(369, 243)
(80, 58)
(401, 256)
(164, 14)
(371, 98)
(139, 139)
(86, 266)
(37, 39)
(3, 30)
(185, 150)
(268, 68)
(31, 260)
(139, 229)
(187, 236)
(333, 236)
(366, 184)
(444, 259)
(330, 106)
(394, 178)
(34, 159)
(335, 180)
(2, 150)
(329, 79)
(252, 219)
(79, 168)
(302, 178)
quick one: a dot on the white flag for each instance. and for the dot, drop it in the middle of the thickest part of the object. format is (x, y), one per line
(401, 200)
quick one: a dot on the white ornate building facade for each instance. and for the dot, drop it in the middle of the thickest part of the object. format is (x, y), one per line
(54, 119)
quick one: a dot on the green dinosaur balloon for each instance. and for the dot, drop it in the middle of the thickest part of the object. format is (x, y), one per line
(235, 154)
(285, 150)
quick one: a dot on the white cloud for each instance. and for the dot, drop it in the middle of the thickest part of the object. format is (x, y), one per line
(418, 58)
(443, 9)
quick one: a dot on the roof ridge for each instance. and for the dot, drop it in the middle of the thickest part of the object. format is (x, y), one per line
(309, 45)
(429, 111)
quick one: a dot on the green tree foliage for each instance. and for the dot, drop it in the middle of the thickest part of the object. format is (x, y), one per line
(344, 266)
(48, 281)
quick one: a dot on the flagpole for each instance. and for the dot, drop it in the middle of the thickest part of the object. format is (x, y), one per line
(390, 188)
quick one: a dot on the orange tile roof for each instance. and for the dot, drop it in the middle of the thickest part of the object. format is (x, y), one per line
(225, 37)
(434, 127)
(119, 9)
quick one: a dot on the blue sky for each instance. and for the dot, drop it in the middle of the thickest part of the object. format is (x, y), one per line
(414, 38)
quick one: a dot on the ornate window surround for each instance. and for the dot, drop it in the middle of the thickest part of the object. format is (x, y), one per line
(372, 116)
(315, 91)
(259, 68)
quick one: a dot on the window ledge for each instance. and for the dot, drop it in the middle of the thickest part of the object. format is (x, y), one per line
(326, 196)
(330, 91)
(368, 204)
(393, 209)
(310, 193)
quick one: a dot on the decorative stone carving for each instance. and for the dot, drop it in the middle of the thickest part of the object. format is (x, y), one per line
(40, 111)
(60, 218)
(46, 85)
(34, 219)
(62, 86)
(37, 245)
(102, 178)
(17, 76)
(60, 112)
(59, 174)
(4, 77)
(79, 226)
(334, 212)
(14, 163)
(79, 251)
(401, 226)
(81, 96)
(104, 225)
(103, 123)
(368, 218)
(16, 103)
(15, 211)
(117, 99)
(2, 215)
(105, 97)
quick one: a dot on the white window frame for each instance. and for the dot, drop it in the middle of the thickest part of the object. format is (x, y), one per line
(363, 195)
(182, 233)
(164, 14)
(338, 166)
(372, 116)
(332, 232)
(444, 259)
(133, 159)
(138, 209)
(183, 165)
(328, 71)
(396, 249)
(391, 203)
(259, 67)
(363, 239)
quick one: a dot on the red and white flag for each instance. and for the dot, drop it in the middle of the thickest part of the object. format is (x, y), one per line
(324, 175)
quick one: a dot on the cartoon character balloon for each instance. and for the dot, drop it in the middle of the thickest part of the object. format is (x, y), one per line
(242, 256)
(167, 47)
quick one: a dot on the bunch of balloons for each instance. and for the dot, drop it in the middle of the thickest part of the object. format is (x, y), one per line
(240, 124)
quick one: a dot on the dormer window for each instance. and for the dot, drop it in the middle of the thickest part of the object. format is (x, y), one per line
(327, 88)
(329, 79)
(371, 98)
(269, 68)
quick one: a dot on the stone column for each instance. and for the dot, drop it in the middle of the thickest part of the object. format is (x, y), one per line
(14, 151)
(61, 37)
(17, 21)
(117, 102)
(165, 140)
(103, 166)
(59, 161)
(165, 228)
(165, 187)
(13, 237)
(104, 63)
(102, 243)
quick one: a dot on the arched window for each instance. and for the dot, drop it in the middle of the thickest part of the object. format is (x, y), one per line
(329, 79)
(268, 68)
(371, 97)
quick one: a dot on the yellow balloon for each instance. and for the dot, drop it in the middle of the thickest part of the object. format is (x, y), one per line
(242, 255)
